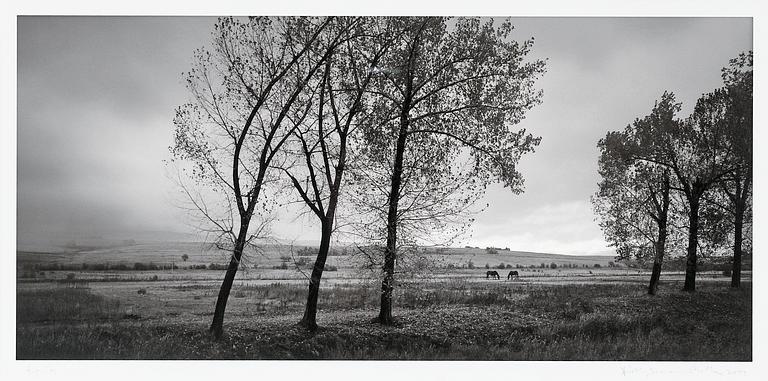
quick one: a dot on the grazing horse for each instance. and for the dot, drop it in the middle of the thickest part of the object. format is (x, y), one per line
(492, 274)
(513, 275)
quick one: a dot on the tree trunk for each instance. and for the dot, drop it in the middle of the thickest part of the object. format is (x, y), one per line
(693, 241)
(658, 260)
(737, 238)
(217, 328)
(390, 251)
(661, 241)
(309, 320)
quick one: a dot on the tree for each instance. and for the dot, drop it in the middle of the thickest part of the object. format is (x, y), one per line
(322, 141)
(447, 92)
(633, 198)
(691, 153)
(242, 89)
(738, 140)
(184, 257)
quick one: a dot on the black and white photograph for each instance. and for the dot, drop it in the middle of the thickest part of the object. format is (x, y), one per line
(428, 188)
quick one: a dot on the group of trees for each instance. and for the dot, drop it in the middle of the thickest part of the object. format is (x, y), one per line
(669, 182)
(405, 120)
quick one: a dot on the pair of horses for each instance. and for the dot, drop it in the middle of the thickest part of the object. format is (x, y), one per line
(495, 274)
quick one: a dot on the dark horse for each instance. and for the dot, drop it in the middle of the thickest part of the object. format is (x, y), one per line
(492, 274)
(513, 275)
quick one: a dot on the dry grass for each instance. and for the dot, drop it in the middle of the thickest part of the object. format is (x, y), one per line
(455, 320)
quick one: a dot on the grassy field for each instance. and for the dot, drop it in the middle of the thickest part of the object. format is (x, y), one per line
(582, 313)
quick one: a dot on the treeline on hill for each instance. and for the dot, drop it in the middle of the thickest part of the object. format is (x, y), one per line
(138, 266)
(398, 123)
(308, 251)
(683, 186)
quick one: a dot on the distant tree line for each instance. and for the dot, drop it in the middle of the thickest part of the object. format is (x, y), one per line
(137, 266)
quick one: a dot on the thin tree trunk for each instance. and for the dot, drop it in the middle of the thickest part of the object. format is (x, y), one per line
(737, 238)
(217, 326)
(309, 320)
(657, 261)
(661, 241)
(693, 241)
(390, 251)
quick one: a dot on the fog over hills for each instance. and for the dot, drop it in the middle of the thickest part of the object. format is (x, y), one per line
(117, 246)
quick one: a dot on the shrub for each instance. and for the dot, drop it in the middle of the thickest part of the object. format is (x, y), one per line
(470, 264)
(138, 266)
(98, 267)
(597, 266)
(501, 266)
(306, 251)
(553, 265)
(154, 277)
(70, 276)
(487, 266)
(184, 257)
(727, 272)
(331, 268)
(142, 291)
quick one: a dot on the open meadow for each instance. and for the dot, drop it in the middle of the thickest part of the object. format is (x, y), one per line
(131, 302)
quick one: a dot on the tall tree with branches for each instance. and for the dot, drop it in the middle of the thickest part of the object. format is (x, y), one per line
(633, 199)
(737, 186)
(321, 141)
(462, 82)
(243, 90)
(693, 153)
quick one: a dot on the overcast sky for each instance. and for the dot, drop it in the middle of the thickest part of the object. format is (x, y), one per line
(96, 98)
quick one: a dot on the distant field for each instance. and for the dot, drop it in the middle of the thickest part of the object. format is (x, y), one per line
(576, 313)
(269, 255)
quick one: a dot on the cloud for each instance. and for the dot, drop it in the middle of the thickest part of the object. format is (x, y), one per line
(96, 97)
(564, 228)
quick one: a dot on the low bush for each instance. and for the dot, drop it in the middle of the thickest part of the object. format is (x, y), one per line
(217, 266)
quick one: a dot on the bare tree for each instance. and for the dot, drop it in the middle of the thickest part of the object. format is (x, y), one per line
(321, 142)
(243, 89)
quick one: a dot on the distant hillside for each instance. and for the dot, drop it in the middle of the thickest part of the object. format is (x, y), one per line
(170, 246)
(479, 257)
